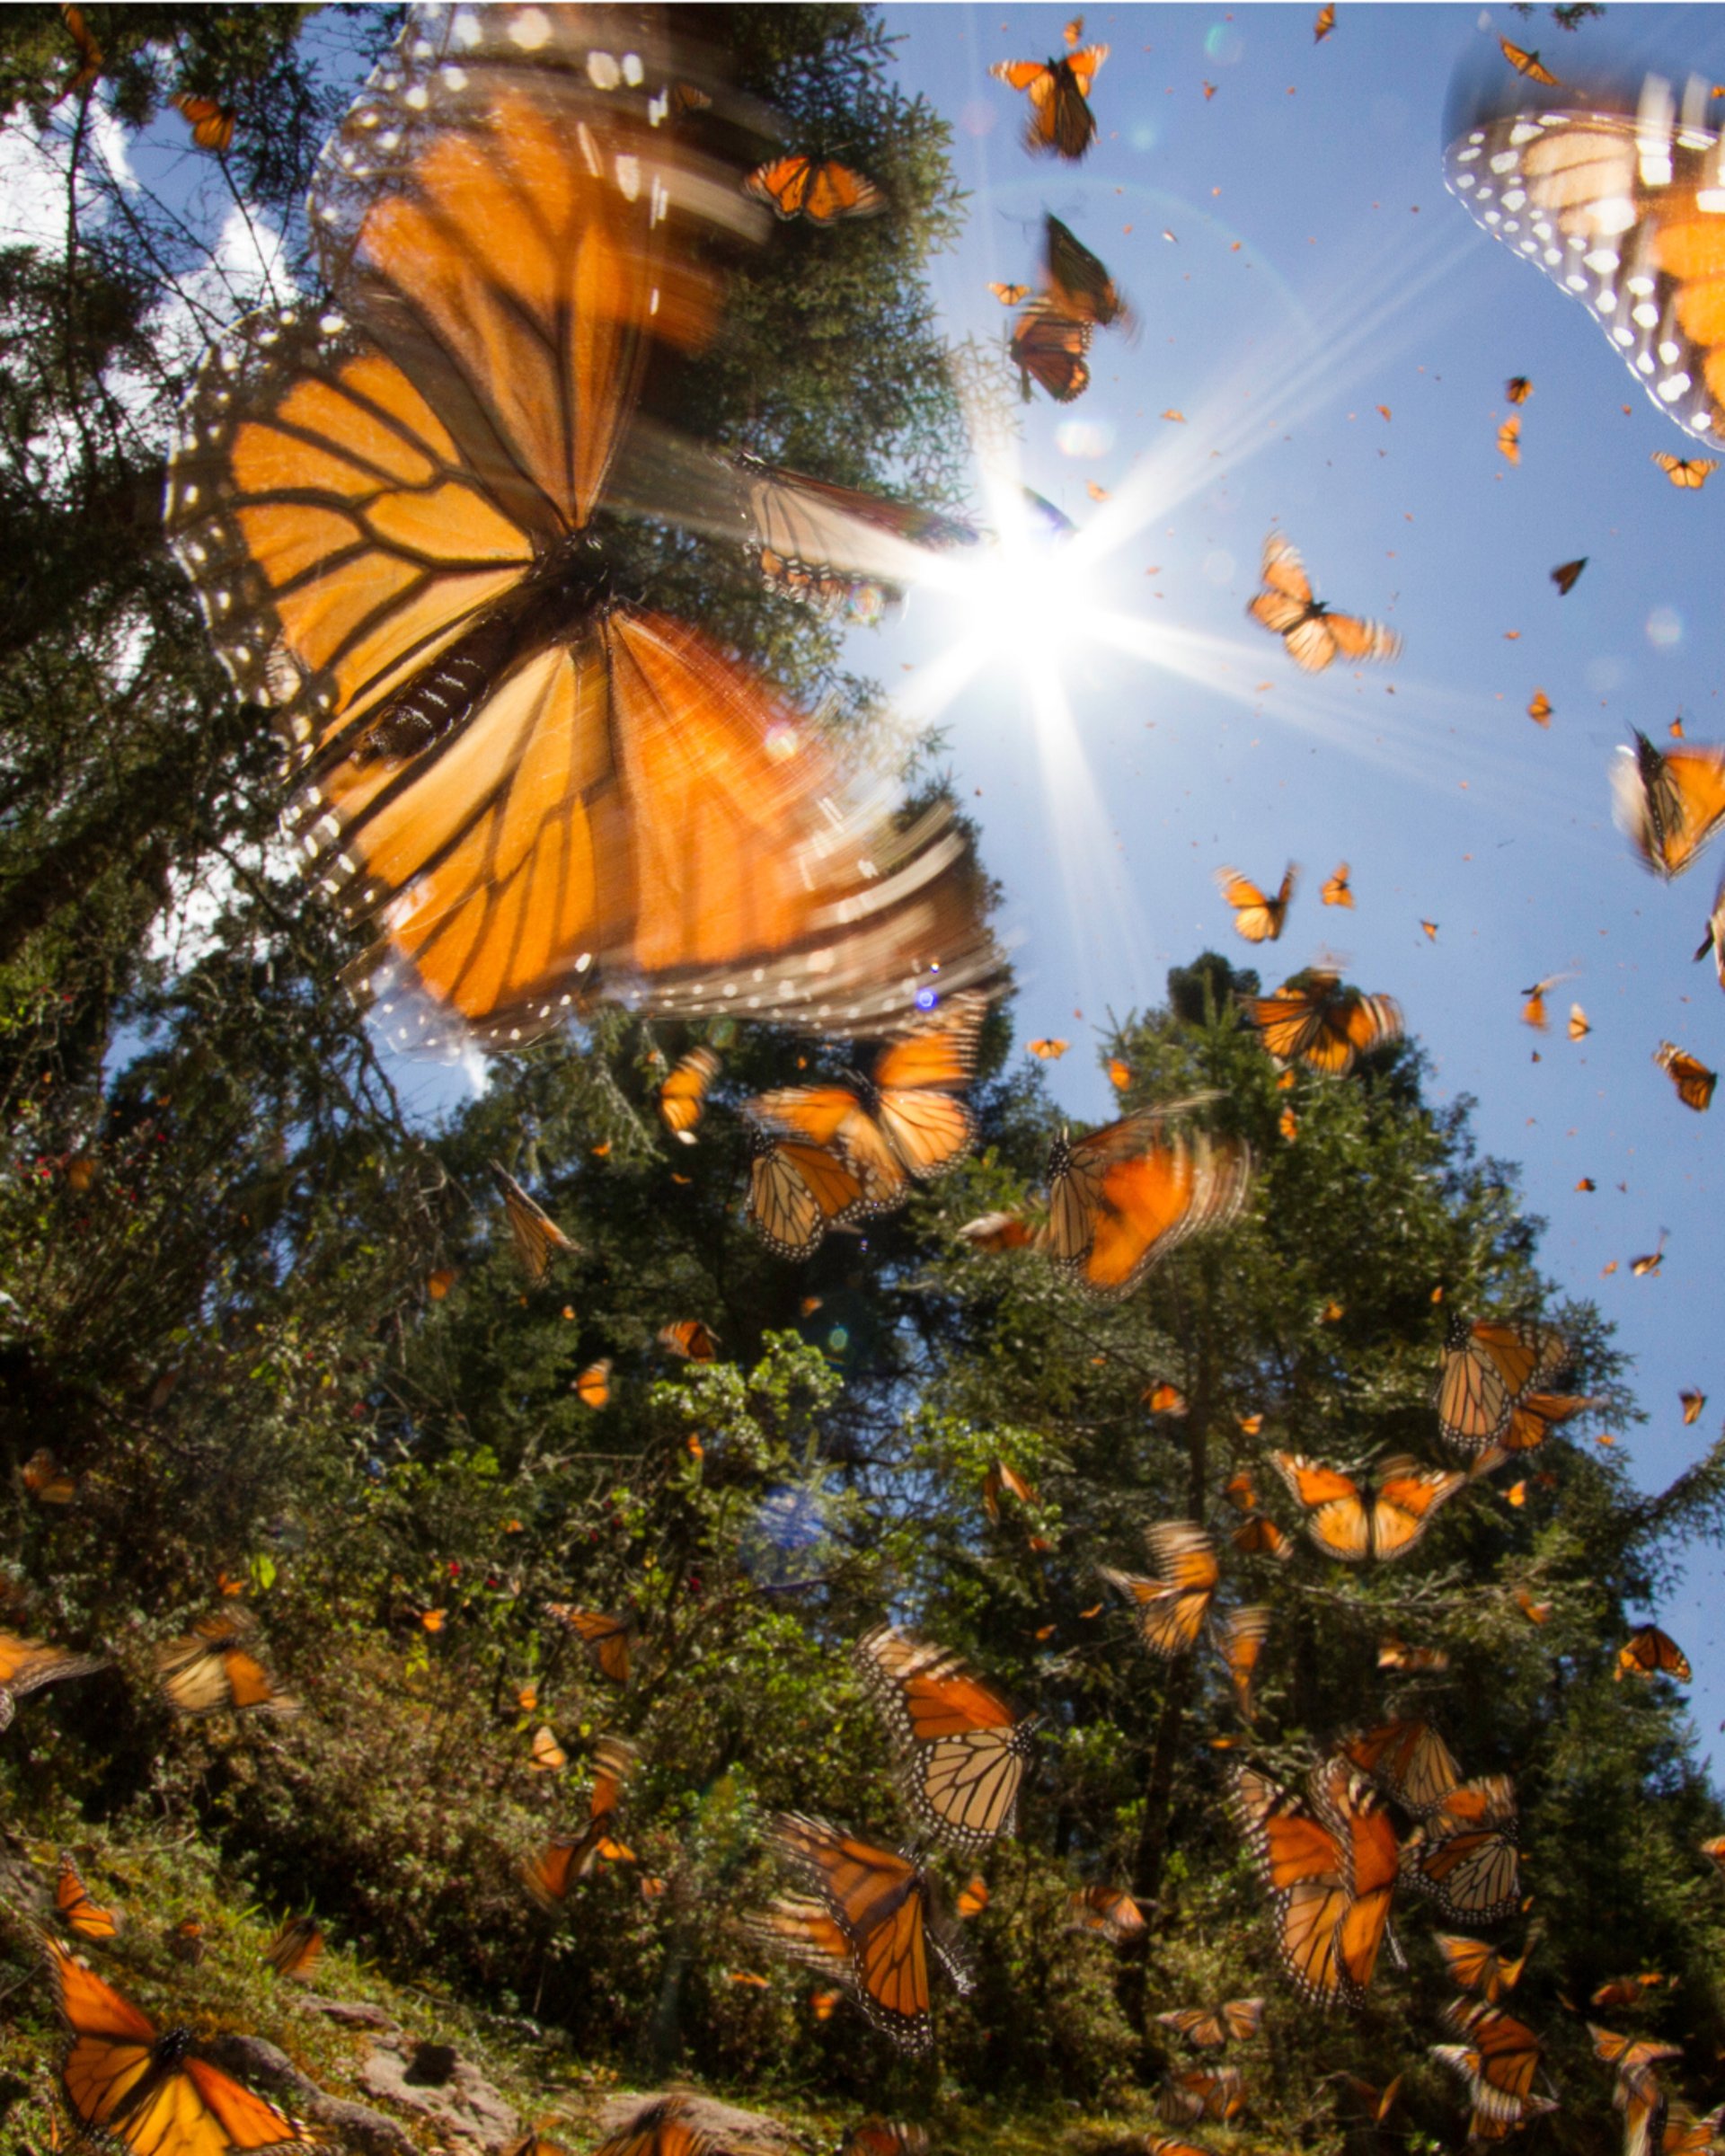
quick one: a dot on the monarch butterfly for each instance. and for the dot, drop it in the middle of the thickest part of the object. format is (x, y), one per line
(1010, 295)
(1648, 1652)
(1000, 1475)
(1394, 1653)
(1048, 348)
(995, 1231)
(871, 1928)
(1517, 389)
(1533, 1011)
(1079, 286)
(972, 1898)
(661, 2128)
(126, 2083)
(1240, 1639)
(1682, 2133)
(1616, 207)
(1526, 63)
(1110, 1910)
(1430, 929)
(1670, 802)
(91, 57)
(1694, 1080)
(26, 1663)
(1535, 1612)
(1202, 2093)
(1510, 441)
(1652, 1260)
(1463, 1852)
(533, 2144)
(208, 1670)
(1565, 575)
(1488, 1367)
(543, 794)
(186, 1941)
(1715, 1849)
(1630, 2055)
(1329, 1859)
(566, 1859)
(605, 1638)
(1124, 1198)
(1209, 2027)
(1314, 1020)
(297, 1948)
(1259, 919)
(1498, 2064)
(1692, 1404)
(1535, 1414)
(1162, 1398)
(1059, 118)
(821, 190)
(1478, 1967)
(684, 1092)
(1354, 1521)
(72, 1902)
(1407, 1758)
(1313, 634)
(1626, 1991)
(1325, 22)
(1689, 472)
(689, 1339)
(1169, 1610)
(537, 1236)
(1714, 939)
(1337, 890)
(832, 545)
(547, 1756)
(593, 1385)
(211, 125)
(1261, 1537)
(45, 1479)
(904, 1122)
(798, 1191)
(1540, 709)
(1046, 1051)
(437, 1284)
(962, 1746)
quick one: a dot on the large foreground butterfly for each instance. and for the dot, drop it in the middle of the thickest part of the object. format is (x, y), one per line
(869, 1930)
(1123, 1197)
(1357, 1520)
(1209, 2027)
(1622, 211)
(535, 793)
(1313, 634)
(1488, 1368)
(661, 2128)
(1059, 118)
(1314, 1020)
(1330, 1862)
(1170, 1608)
(1669, 801)
(127, 2084)
(1479, 1967)
(962, 1746)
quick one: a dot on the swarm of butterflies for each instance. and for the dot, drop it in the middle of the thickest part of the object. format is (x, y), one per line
(529, 793)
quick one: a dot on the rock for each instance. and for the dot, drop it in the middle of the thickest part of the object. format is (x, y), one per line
(741, 2130)
(442, 2088)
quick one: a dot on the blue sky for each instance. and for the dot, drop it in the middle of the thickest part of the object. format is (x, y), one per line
(1320, 268)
